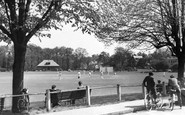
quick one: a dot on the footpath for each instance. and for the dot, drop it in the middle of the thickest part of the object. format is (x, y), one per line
(110, 109)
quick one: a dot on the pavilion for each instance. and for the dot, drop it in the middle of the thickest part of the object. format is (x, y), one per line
(48, 65)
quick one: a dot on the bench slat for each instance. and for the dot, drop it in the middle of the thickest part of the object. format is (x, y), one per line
(77, 94)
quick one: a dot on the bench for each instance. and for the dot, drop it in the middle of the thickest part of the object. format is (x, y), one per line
(1, 104)
(71, 96)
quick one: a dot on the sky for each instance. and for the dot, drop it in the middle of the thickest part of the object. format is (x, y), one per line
(73, 39)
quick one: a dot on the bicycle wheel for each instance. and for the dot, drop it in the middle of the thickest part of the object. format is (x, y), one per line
(21, 105)
(148, 102)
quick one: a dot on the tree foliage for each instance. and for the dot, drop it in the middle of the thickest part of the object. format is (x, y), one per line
(34, 17)
(121, 59)
(145, 23)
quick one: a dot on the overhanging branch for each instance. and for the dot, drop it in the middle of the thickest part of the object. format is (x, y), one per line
(45, 18)
(5, 31)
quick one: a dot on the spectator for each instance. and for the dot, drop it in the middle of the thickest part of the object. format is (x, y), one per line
(54, 98)
(149, 83)
(173, 84)
(80, 85)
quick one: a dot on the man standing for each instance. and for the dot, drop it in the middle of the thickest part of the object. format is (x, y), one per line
(149, 83)
(173, 84)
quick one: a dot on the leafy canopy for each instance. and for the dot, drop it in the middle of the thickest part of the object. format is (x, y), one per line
(32, 17)
(146, 23)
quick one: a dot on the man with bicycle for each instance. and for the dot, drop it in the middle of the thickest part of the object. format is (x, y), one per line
(173, 85)
(149, 83)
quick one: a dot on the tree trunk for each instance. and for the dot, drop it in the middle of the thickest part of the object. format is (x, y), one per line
(181, 71)
(18, 73)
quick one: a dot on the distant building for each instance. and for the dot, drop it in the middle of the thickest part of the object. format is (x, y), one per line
(138, 57)
(48, 65)
(106, 69)
(172, 61)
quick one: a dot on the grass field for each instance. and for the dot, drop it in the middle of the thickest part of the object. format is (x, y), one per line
(38, 82)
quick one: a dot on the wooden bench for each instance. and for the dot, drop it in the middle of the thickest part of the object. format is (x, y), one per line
(71, 96)
(2, 99)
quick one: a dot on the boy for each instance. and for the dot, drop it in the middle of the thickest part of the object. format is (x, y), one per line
(159, 86)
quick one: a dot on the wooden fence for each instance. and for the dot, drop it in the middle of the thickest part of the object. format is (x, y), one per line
(118, 89)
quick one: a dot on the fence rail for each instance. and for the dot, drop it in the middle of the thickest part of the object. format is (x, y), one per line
(117, 88)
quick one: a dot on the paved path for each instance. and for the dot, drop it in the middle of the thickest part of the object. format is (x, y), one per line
(130, 107)
(111, 109)
(176, 111)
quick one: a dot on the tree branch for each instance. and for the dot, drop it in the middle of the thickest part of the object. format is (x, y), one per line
(11, 6)
(5, 31)
(21, 12)
(9, 20)
(45, 18)
(27, 8)
(48, 10)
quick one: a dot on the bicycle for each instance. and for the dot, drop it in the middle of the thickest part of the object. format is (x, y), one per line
(23, 102)
(22, 105)
(172, 99)
(150, 103)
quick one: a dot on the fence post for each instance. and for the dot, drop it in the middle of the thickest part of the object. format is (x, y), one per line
(143, 91)
(48, 100)
(119, 92)
(164, 88)
(88, 96)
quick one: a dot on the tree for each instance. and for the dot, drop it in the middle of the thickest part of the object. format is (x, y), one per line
(33, 57)
(121, 58)
(103, 58)
(68, 58)
(158, 59)
(161, 65)
(80, 55)
(22, 19)
(145, 23)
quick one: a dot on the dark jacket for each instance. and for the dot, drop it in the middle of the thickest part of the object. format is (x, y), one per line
(149, 82)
